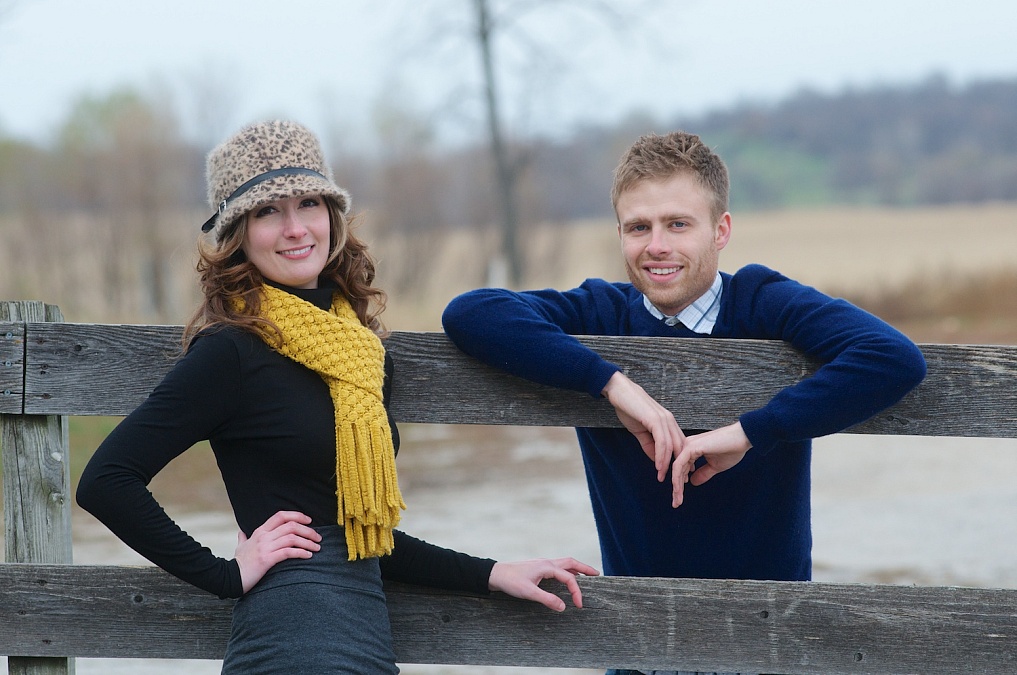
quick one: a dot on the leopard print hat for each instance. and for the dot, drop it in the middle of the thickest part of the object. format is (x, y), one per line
(264, 162)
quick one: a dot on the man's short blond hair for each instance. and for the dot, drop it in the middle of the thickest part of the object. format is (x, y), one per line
(655, 157)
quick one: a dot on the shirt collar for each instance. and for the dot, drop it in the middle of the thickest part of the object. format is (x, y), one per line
(699, 317)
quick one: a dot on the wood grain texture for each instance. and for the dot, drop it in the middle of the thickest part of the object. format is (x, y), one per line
(142, 612)
(12, 366)
(50, 611)
(95, 369)
(36, 469)
(37, 488)
(971, 390)
(107, 611)
(36, 472)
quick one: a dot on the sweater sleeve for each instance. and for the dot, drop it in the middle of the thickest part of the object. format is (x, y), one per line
(193, 398)
(414, 561)
(531, 334)
(864, 364)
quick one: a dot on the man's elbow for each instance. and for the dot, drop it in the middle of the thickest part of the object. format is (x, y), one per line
(463, 318)
(456, 315)
(912, 368)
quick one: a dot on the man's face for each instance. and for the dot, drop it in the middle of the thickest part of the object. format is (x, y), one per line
(669, 239)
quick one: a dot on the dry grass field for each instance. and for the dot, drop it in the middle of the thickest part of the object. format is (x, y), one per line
(910, 263)
(944, 274)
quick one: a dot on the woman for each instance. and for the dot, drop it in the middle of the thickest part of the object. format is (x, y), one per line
(285, 375)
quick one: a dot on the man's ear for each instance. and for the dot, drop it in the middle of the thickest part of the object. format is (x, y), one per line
(722, 232)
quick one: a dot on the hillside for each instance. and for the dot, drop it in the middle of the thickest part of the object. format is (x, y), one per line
(928, 143)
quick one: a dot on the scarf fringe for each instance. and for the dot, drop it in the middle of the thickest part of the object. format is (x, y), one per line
(368, 494)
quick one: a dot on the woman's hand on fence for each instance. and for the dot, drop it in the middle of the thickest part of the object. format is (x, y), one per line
(519, 579)
(285, 535)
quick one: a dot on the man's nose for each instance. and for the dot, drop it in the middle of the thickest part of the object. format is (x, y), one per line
(659, 242)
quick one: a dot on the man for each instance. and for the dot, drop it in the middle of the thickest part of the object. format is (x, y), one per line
(737, 505)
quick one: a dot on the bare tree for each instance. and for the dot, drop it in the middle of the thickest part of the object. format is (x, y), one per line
(497, 30)
(506, 172)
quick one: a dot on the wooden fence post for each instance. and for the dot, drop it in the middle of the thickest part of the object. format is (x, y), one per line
(35, 458)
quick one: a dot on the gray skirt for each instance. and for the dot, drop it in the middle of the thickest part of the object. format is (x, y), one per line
(320, 615)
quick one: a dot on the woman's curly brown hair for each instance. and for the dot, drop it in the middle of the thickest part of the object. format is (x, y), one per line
(230, 283)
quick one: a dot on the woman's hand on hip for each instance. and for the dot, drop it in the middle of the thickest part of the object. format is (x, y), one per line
(285, 535)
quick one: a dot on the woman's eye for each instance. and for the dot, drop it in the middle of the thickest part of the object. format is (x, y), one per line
(310, 201)
(264, 211)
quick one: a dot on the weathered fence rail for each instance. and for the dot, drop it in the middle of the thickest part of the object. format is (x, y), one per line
(51, 610)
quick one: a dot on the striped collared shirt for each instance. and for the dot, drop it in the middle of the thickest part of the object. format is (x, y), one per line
(700, 316)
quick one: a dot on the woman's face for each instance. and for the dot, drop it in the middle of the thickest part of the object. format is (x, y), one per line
(287, 240)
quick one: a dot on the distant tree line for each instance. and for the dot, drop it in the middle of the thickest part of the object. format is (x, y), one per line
(927, 144)
(930, 143)
(121, 162)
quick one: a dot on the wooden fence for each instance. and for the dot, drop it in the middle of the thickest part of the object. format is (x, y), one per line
(52, 611)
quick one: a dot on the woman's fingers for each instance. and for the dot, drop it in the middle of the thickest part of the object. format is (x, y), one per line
(285, 519)
(565, 570)
(284, 535)
(521, 579)
(286, 529)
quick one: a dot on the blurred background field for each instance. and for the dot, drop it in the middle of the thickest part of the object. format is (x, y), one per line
(861, 192)
(866, 159)
(941, 273)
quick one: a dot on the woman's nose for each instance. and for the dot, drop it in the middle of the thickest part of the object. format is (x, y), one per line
(292, 225)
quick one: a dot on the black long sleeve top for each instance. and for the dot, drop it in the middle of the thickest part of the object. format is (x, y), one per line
(271, 424)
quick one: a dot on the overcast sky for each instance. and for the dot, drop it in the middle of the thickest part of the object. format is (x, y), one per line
(333, 63)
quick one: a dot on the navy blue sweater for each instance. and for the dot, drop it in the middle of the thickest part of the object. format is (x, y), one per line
(752, 521)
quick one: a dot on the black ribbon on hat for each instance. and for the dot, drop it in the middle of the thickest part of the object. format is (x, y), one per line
(260, 178)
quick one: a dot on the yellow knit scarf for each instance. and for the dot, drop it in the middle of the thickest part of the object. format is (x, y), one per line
(350, 358)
